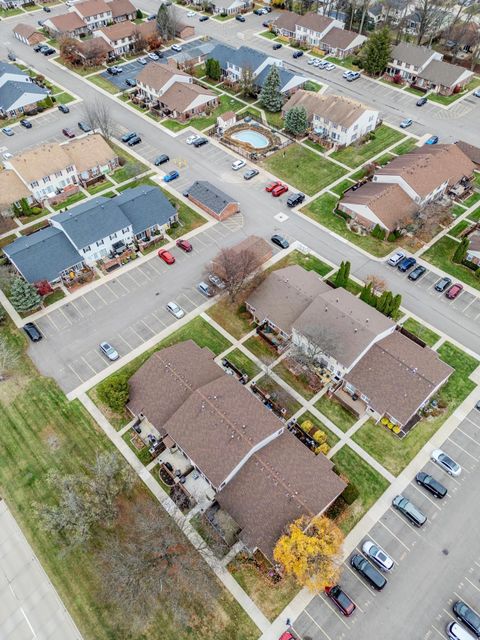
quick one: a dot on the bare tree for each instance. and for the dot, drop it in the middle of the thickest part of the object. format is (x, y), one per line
(433, 15)
(9, 357)
(316, 341)
(100, 116)
(247, 81)
(236, 268)
(430, 218)
(378, 284)
(139, 41)
(365, 8)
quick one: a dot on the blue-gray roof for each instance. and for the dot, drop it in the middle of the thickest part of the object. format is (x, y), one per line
(284, 74)
(13, 90)
(209, 195)
(241, 57)
(43, 255)
(6, 67)
(141, 207)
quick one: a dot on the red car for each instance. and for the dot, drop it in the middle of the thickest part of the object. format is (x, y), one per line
(68, 132)
(454, 291)
(279, 190)
(184, 244)
(166, 256)
(271, 185)
(286, 635)
(340, 599)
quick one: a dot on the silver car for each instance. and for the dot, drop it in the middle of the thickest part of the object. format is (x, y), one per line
(377, 555)
(109, 351)
(175, 310)
(215, 280)
(446, 463)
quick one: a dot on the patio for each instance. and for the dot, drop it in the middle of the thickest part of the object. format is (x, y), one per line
(195, 483)
(276, 340)
(354, 404)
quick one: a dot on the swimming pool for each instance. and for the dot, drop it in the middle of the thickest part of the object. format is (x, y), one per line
(251, 137)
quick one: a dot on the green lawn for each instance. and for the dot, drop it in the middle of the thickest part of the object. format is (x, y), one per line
(279, 395)
(174, 126)
(274, 119)
(99, 186)
(344, 62)
(76, 197)
(404, 147)
(306, 261)
(332, 439)
(43, 432)
(342, 187)
(142, 454)
(446, 100)
(227, 103)
(474, 215)
(188, 218)
(268, 34)
(385, 159)
(233, 318)
(457, 210)
(421, 331)
(440, 254)
(130, 169)
(261, 349)
(458, 228)
(55, 296)
(369, 483)
(147, 180)
(82, 71)
(394, 454)
(312, 86)
(243, 362)
(315, 146)
(302, 168)
(477, 179)
(298, 383)
(355, 155)
(333, 410)
(473, 199)
(64, 98)
(322, 211)
(104, 84)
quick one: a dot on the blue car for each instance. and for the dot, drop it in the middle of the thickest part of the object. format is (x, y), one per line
(7, 131)
(173, 175)
(406, 264)
(432, 140)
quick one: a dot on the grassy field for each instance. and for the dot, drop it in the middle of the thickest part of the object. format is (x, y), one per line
(243, 362)
(232, 317)
(41, 432)
(332, 439)
(188, 217)
(474, 215)
(76, 197)
(471, 200)
(369, 483)
(421, 331)
(440, 254)
(227, 103)
(146, 180)
(130, 169)
(99, 186)
(261, 349)
(104, 84)
(355, 155)
(405, 146)
(307, 262)
(332, 409)
(279, 395)
(298, 383)
(458, 228)
(303, 168)
(394, 454)
(342, 187)
(173, 125)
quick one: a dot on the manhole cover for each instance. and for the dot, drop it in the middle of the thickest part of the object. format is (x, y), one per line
(445, 552)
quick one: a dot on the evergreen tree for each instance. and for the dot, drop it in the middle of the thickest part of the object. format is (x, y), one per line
(165, 23)
(376, 52)
(461, 251)
(346, 274)
(23, 295)
(382, 302)
(340, 275)
(296, 120)
(366, 293)
(396, 303)
(270, 96)
(212, 69)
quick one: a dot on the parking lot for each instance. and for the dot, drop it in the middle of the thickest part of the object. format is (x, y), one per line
(435, 565)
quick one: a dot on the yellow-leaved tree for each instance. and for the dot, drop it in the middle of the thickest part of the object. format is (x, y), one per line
(310, 551)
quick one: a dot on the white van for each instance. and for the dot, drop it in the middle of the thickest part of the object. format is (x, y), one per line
(456, 632)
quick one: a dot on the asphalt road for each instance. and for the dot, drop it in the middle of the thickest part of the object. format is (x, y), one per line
(436, 565)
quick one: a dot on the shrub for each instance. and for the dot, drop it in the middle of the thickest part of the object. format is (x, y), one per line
(319, 436)
(307, 425)
(378, 232)
(350, 493)
(391, 237)
(114, 391)
(396, 429)
(323, 448)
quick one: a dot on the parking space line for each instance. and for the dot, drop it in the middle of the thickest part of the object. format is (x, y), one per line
(405, 521)
(73, 371)
(111, 291)
(64, 315)
(159, 319)
(88, 364)
(154, 266)
(467, 436)
(122, 338)
(424, 495)
(136, 332)
(477, 426)
(147, 327)
(72, 302)
(316, 623)
(473, 585)
(394, 535)
(121, 283)
(360, 580)
(462, 449)
(370, 537)
(90, 305)
(439, 632)
(52, 322)
(325, 600)
(448, 613)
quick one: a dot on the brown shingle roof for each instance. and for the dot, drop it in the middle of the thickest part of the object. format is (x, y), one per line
(67, 22)
(425, 168)
(285, 294)
(339, 109)
(398, 376)
(474, 244)
(12, 188)
(121, 8)
(271, 490)
(168, 378)
(313, 21)
(470, 151)
(89, 151)
(92, 7)
(96, 44)
(41, 161)
(388, 202)
(24, 30)
(349, 325)
(148, 29)
(341, 38)
(155, 75)
(180, 95)
(444, 73)
(119, 30)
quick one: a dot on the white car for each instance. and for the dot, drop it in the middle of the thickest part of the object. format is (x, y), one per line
(7, 155)
(330, 66)
(346, 74)
(377, 555)
(311, 61)
(143, 60)
(109, 351)
(191, 14)
(396, 258)
(175, 310)
(191, 139)
(316, 62)
(446, 463)
(153, 56)
(238, 164)
(176, 47)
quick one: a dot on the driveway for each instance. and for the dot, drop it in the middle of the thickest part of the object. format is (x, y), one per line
(435, 565)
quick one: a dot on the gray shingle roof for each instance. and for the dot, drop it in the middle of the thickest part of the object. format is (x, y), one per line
(284, 75)
(210, 196)
(145, 206)
(13, 90)
(411, 54)
(443, 73)
(43, 255)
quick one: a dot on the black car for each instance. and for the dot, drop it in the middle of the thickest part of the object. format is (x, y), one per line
(84, 126)
(161, 159)
(280, 241)
(131, 82)
(63, 108)
(250, 173)
(50, 51)
(258, 12)
(468, 616)
(294, 199)
(11, 56)
(128, 136)
(133, 141)
(203, 18)
(416, 273)
(421, 101)
(443, 284)
(368, 572)
(32, 332)
(298, 54)
(47, 9)
(199, 142)
(37, 48)
(429, 483)
(240, 18)
(26, 123)
(276, 46)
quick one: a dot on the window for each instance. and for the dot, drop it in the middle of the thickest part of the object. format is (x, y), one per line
(58, 174)
(70, 169)
(46, 179)
(34, 184)
(114, 235)
(86, 249)
(99, 243)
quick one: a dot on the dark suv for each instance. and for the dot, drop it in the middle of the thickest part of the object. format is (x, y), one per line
(409, 510)
(468, 616)
(294, 199)
(199, 142)
(32, 332)
(429, 483)
(368, 572)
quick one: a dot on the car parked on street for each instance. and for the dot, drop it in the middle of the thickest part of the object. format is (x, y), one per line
(340, 599)
(407, 122)
(354, 75)
(107, 350)
(271, 185)
(128, 136)
(205, 289)
(191, 139)
(68, 132)
(276, 46)
(297, 54)
(417, 273)
(203, 18)
(176, 47)
(250, 173)
(199, 142)
(84, 126)
(279, 190)
(294, 199)
(429, 483)
(63, 108)
(406, 264)
(368, 572)
(468, 616)
(377, 555)
(130, 82)
(161, 159)
(166, 256)
(421, 101)
(409, 510)
(454, 291)
(396, 258)
(49, 51)
(175, 310)
(26, 123)
(32, 331)
(185, 245)
(152, 56)
(239, 17)
(114, 70)
(443, 284)
(446, 463)
(133, 141)
(238, 164)
(172, 175)
(280, 241)
(143, 60)
(191, 14)
(330, 66)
